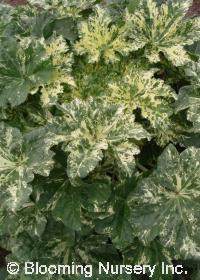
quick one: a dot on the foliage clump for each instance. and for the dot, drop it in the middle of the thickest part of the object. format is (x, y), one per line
(100, 133)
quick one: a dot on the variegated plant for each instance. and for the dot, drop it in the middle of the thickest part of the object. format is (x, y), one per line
(189, 96)
(99, 38)
(21, 156)
(138, 89)
(100, 135)
(166, 204)
(94, 130)
(24, 67)
(157, 29)
(58, 50)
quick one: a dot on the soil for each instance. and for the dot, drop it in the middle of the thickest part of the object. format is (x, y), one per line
(3, 254)
(16, 2)
(195, 9)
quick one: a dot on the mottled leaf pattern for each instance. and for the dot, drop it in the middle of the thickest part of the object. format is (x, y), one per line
(81, 163)
(153, 254)
(139, 89)
(158, 29)
(58, 50)
(23, 68)
(100, 136)
(20, 158)
(166, 204)
(189, 98)
(99, 39)
(93, 127)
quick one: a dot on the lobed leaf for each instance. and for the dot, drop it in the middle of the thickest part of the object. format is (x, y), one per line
(93, 127)
(166, 204)
(99, 38)
(157, 28)
(21, 157)
(23, 68)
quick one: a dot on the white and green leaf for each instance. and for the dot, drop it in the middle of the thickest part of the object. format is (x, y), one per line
(24, 67)
(21, 156)
(158, 27)
(166, 204)
(92, 127)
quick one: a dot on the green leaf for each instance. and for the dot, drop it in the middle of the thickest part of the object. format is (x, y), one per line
(67, 28)
(66, 206)
(166, 204)
(56, 243)
(95, 248)
(196, 275)
(23, 68)
(41, 24)
(116, 222)
(3, 273)
(8, 222)
(117, 226)
(189, 98)
(98, 192)
(133, 5)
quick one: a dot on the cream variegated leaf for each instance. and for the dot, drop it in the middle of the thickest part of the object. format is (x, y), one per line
(177, 55)
(124, 154)
(99, 38)
(58, 50)
(50, 92)
(189, 96)
(192, 71)
(193, 116)
(92, 127)
(21, 156)
(84, 86)
(82, 161)
(158, 27)
(167, 203)
(137, 89)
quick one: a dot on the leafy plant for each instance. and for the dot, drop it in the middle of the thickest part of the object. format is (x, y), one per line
(99, 135)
